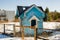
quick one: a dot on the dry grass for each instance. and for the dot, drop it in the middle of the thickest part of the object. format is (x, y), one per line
(3, 21)
(16, 20)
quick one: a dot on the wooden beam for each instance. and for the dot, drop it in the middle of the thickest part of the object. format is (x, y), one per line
(4, 28)
(22, 30)
(35, 34)
(14, 30)
(40, 37)
(22, 33)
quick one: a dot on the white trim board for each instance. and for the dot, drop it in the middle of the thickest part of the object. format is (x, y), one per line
(34, 17)
(32, 7)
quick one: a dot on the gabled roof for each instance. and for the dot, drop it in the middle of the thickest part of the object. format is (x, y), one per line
(22, 10)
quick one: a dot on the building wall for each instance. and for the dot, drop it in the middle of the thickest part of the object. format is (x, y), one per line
(40, 26)
(28, 16)
(8, 15)
(2, 15)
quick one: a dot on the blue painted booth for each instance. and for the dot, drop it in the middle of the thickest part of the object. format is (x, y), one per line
(31, 16)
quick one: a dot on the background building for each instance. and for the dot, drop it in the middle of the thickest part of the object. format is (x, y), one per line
(7, 15)
(10, 15)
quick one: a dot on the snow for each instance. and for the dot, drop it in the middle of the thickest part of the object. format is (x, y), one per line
(51, 25)
(1, 28)
(3, 36)
(17, 38)
(9, 28)
(47, 25)
(55, 36)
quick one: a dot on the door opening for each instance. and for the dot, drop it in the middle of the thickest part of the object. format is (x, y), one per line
(33, 22)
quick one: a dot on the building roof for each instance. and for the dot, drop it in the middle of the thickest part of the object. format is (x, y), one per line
(22, 9)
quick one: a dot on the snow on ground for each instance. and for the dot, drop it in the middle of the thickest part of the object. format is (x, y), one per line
(1, 28)
(9, 28)
(51, 25)
(55, 36)
(17, 38)
(47, 25)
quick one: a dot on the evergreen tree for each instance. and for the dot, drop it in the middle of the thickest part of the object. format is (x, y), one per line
(47, 10)
(46, 14)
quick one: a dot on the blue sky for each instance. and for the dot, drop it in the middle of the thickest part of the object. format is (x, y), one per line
(12, 4)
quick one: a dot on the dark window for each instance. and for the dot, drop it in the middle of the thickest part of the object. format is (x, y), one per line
(33, 22)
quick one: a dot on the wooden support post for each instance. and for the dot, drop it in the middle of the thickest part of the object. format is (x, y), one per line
(4, 28)
(22, 33)
(35, 34)
(14, 29)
